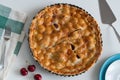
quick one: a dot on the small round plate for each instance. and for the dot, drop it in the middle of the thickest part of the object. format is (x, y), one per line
(106, 64)
(113, 72)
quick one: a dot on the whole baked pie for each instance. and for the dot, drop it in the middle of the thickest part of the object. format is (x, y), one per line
(65, 39)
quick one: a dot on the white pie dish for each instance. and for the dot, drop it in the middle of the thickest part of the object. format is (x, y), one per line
(113, 71)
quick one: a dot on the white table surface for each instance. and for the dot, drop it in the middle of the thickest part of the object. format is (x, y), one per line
(31, 7)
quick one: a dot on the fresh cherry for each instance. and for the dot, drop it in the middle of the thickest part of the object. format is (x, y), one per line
(31, 68)
(37, 77)
(23, 72)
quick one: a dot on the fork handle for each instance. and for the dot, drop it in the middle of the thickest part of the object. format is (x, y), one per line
(3, 55)
(117, 34)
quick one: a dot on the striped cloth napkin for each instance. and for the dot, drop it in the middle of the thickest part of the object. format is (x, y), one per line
(15, 20)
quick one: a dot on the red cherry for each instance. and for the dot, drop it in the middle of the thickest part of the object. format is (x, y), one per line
(23, 72)
(37, 77)
(31, 68)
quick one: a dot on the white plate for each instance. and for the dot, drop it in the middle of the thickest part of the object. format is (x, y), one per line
(113, 71)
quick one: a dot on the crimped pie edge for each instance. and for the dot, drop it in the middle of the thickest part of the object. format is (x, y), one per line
(99, 35)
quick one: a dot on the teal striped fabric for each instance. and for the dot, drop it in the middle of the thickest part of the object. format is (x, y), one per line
(14, 20)
(16, 26)
(8, 20)
(4, 11)
(17, 48)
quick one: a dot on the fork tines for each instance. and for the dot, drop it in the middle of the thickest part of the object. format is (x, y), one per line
(7, 33)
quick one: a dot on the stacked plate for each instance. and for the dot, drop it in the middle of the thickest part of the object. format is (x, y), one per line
(110, 70)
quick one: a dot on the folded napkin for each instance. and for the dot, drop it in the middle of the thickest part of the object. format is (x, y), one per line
(15, 20)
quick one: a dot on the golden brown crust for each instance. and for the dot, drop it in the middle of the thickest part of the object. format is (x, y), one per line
(65, 39)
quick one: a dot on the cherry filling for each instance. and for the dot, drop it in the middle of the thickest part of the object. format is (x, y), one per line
(78, 56)
(56, 26)
(72, 47)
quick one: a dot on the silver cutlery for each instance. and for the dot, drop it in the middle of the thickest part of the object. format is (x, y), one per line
(6, 37)
(107, 16)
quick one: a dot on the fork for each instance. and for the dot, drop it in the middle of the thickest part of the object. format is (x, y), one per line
(6, 37)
